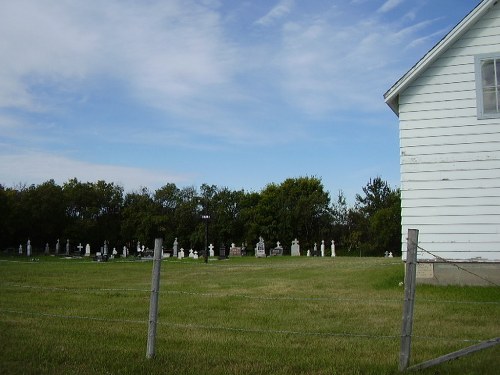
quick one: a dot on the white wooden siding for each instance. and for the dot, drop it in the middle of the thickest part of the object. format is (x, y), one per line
(450, 160)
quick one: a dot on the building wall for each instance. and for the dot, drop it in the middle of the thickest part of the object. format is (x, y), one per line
(450, 160)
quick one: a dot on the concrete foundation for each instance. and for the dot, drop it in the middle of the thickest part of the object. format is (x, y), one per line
(459, 273)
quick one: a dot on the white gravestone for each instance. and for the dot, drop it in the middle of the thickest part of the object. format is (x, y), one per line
(260, 249)
(295, 249)
(67, 246)
(176, 244)
(333, 249)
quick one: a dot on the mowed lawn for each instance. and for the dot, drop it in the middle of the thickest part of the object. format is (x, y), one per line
(278, 315)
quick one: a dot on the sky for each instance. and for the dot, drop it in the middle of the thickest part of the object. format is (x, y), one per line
(237, 94)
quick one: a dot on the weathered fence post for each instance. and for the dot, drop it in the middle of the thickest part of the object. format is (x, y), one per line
(409, 302)
(153, 305)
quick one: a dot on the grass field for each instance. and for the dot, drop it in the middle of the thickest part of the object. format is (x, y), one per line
(278, 315)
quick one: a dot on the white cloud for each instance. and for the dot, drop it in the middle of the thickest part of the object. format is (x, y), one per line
(38, 167)
(389, 5)
(280, 10)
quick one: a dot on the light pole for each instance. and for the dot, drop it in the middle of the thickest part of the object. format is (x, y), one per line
(206, 217)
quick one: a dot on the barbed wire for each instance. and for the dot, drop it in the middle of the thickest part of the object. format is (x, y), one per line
(235, 329)
(456, 265)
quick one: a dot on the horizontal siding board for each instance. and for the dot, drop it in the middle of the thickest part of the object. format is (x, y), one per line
(406, 102)
(440, 103)
(452, 211)
(412, 197)
(454, 139)
(450, 154)
(451, 220)
(445, 131)
(449, 231)
(441, 114)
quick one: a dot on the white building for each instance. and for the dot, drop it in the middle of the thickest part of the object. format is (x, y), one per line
(448, 106)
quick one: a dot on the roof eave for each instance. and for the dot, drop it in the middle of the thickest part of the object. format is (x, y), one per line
(392, 95)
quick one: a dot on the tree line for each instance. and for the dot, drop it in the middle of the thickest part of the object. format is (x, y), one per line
(94, 212)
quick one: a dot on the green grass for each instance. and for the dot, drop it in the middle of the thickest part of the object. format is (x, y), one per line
(278, 315)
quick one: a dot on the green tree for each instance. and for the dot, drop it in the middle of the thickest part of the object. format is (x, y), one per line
(379, 219)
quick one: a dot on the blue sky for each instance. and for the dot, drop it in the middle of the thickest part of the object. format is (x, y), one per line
(232, 93)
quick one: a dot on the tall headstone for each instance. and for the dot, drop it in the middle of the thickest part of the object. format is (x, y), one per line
(67, 246)
(260, 249)
(295, 249)
(28, 248)
(333, 249)
(322, 248)
(176, 244)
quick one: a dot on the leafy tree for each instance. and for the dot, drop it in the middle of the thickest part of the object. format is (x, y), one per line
(379, 220)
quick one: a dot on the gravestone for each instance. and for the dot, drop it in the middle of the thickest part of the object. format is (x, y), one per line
(211, 250)
(332, 247)
(47, 249)
(322, 248)
(67, 247)
(234, 250)
(295, 249)
(87, 250)
(260, 249)
(176, 244)
(278, 250)
(222, 252)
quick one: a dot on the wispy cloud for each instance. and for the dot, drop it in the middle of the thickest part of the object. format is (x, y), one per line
(280, 10)
(38, 167)
(389, 5)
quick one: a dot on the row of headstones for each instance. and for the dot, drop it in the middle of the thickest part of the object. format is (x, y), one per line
(260, 249)
(103, 252)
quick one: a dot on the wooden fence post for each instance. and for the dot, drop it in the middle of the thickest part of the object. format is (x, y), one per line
(153, 305)
(409, 302)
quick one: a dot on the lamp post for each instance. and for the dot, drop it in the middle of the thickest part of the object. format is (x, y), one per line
(206, 217)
